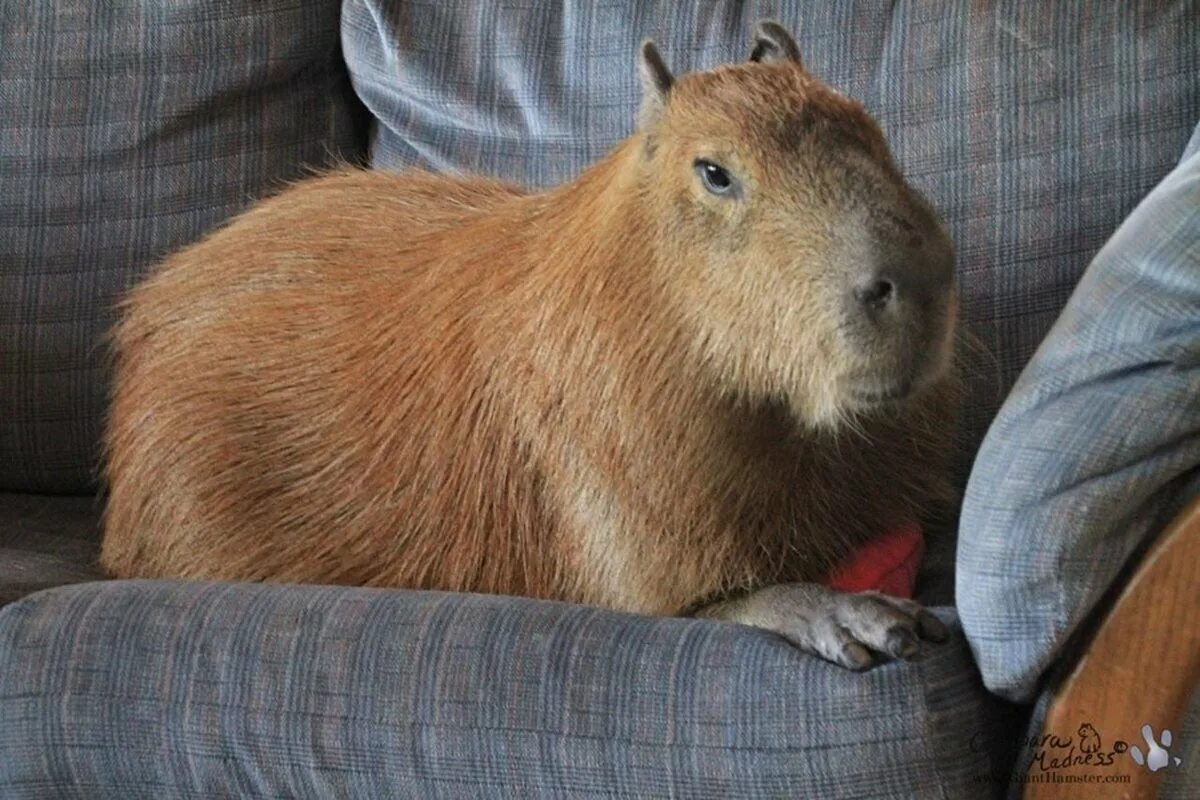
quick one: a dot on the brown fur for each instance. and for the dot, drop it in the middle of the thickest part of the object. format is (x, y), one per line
(620, 391)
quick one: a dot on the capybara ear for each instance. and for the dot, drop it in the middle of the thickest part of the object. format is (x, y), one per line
(772, 42)
(656, 83)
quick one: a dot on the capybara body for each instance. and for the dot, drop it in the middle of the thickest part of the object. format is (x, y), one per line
(643, 389)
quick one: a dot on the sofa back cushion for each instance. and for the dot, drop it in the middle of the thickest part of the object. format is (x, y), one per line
(1096, 448)
(128, 130)
(1033, 127)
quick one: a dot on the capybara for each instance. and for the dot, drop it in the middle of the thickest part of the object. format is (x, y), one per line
(692, 380)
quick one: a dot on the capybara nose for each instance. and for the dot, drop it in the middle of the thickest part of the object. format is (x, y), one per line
(892, 293)
(907, 278)
(900, 292)
(877, 293)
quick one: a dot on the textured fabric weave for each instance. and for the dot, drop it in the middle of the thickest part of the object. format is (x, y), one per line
(1033, 127)
(1095, 449)
(1181, 780)
(46, 541)
(126, 131)
(137, 689)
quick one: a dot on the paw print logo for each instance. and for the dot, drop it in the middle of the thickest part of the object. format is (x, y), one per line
(1156, 756)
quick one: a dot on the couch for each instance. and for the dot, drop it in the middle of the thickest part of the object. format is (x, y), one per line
(128, 130)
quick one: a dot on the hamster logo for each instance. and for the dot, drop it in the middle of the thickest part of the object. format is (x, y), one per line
(1089, 740)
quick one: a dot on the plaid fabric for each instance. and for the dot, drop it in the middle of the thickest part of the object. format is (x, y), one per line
(46, 541)
(126, 131)
(1095, 449)
(1180, 784)
(1034, 127)
(141, 689)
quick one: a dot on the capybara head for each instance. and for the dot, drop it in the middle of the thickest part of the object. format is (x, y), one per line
(805, 265)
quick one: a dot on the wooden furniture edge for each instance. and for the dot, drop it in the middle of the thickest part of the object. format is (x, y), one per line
(1140, 668)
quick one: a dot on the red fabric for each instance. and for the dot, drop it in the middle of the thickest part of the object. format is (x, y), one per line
(886, 564)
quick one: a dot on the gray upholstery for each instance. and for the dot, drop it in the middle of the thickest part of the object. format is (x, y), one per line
(126, 131)
(1180, 782)
(1096, 448)
(46, 541)
(150, 690)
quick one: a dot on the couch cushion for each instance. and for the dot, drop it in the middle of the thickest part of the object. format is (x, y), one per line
(126, 131)
(144, 689)
(1097, 447)
(1033, 127)
(46, 541)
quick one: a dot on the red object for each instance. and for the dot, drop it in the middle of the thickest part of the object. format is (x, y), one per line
(886, 564)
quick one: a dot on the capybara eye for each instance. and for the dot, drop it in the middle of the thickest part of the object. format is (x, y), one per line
(716, 179)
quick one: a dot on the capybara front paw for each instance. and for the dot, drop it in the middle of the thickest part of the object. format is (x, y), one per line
(847, 629)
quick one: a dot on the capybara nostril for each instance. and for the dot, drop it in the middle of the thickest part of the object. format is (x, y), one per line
(876, 294)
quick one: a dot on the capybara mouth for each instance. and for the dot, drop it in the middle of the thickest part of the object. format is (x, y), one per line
(881, 390)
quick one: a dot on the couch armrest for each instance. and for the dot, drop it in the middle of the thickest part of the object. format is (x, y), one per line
(154, 689)
(1140, 668)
